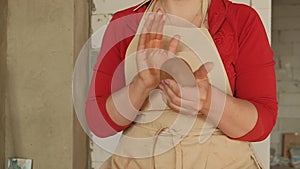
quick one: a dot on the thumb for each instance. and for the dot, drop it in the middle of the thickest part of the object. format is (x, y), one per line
(203, 70)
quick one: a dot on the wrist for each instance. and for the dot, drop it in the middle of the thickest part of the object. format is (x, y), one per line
(215, 102)
(138, 87)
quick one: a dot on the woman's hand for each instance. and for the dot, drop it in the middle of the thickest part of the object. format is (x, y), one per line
(187, 99)
(150, 55)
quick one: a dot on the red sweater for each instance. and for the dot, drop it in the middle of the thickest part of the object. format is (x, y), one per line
(242, 44)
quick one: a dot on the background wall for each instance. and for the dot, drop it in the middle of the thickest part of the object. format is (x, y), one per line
(286, 45)
(43, 38)
(101, 13)
(3, 46)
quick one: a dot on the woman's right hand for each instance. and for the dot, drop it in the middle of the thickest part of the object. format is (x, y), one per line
(150, 55)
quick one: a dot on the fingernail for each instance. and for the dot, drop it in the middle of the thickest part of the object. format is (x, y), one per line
(166, 81)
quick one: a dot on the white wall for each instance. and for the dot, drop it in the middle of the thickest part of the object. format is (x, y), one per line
(101, 14)
(286, 45)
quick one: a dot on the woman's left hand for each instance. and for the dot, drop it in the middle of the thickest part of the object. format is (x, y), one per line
(189, 100)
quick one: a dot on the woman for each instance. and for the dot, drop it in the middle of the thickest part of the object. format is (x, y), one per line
(249, 112)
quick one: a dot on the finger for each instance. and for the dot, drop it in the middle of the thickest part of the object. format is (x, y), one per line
(174, 43)
(142, 40)
(173, 85)
(180, 109)
(148, 24)
(202, 72)
(144, 33)
(159, 34)
(187, 93)
(156, 22)
(156, 30)
(161, 24)
(174, 98)
(177, 108)
(172, 93)
(178, 101)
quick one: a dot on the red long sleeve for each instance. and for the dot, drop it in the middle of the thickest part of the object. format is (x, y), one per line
(255, 75)
(108, 75)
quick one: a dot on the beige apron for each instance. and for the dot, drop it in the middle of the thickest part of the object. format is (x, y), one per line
(163, 139)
